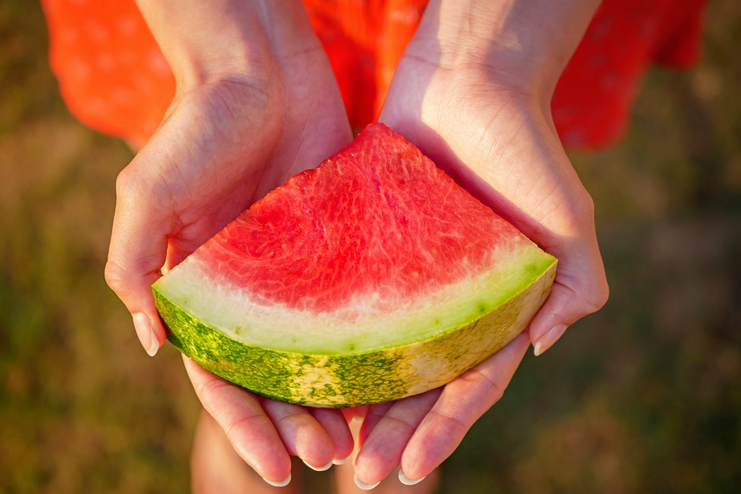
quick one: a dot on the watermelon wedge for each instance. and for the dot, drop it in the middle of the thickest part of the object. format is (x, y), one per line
(370, 278)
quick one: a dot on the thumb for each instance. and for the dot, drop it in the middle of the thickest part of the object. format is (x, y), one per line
(580, 289)
(137, 253)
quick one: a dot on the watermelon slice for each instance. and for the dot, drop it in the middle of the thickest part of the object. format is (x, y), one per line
(370, 278)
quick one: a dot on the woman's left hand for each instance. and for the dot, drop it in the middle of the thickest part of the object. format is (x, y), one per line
(473, 93)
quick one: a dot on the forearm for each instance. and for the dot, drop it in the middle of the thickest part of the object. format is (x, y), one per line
(206, 40)
(527, 41)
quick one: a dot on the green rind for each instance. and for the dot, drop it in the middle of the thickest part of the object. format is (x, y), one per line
(356, 379)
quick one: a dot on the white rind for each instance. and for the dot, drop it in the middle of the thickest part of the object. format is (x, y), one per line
(357, 379)
(363, 325)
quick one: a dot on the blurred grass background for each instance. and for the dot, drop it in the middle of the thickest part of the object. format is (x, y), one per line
(643, 397)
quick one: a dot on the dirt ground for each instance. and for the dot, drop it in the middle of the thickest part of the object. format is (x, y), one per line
(643, 397)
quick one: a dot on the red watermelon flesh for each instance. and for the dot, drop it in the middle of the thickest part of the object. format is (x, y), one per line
(399, 229)
(375, 254)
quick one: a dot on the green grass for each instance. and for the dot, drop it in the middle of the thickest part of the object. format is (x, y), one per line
(642, 397)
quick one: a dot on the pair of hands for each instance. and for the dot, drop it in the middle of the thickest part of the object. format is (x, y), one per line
(230, 138)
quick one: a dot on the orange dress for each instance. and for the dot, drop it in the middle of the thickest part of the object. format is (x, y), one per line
(114, 78)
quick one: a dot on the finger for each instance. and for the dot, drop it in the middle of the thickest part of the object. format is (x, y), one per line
(301, 434)
(136, 254)
(383, 448)
(461, 403)
(373, 415)
(249, 430)
(336, 426)
(580, 289)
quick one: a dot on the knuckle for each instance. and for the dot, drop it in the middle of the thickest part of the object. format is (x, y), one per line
(239, 429)
(450, 421)
(209, 389)
(402, 423)
(114, 276)
(597, 297)
(127, 183)
(486, 386)
(603, 294)
(137, 187)
(584, 208)
(293, 417)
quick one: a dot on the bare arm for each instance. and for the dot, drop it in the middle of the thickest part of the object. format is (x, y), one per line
(256, 102)
(473, 92)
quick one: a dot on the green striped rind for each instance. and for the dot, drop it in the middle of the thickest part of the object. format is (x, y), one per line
(354, 379)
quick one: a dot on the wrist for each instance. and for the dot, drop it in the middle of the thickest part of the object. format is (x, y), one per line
(209, 41)
(512, 43)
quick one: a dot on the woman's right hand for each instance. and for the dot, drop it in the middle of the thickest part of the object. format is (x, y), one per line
(239, 126)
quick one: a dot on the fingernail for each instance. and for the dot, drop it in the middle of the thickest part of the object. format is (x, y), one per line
(342, 461)
(282, 483)
(548, 339)
(145, 333)
(365, 487)
(319, 469)
(407, 481)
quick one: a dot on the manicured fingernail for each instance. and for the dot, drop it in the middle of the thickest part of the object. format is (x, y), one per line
(342, 461)
(145, 333)
(365, 487)
(548, 339)
(319, 469)
(282, 483)
(406, 480)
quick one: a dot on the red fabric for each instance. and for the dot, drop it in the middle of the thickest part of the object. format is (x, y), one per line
(114, 78)
(111, 73)
(596, 92)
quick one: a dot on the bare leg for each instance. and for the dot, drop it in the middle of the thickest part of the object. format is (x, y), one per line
(217, 469)
(345, 483)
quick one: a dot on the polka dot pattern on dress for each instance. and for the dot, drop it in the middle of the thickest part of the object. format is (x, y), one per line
(114, 78)
(111, 73)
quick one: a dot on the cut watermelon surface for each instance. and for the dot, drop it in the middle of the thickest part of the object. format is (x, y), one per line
(370, 278)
